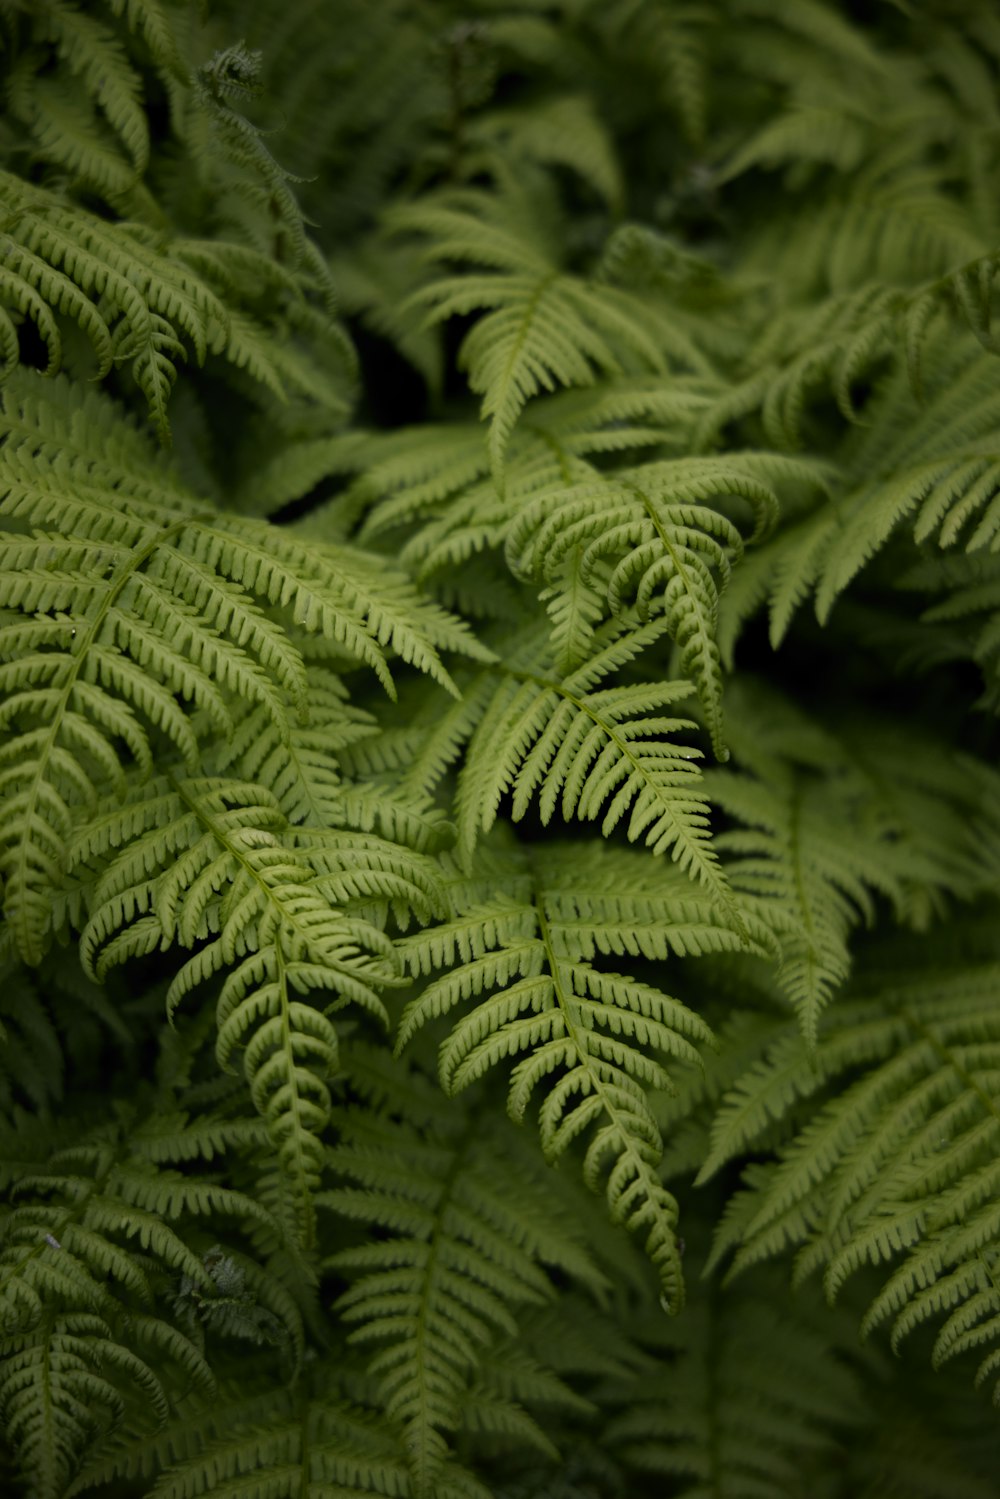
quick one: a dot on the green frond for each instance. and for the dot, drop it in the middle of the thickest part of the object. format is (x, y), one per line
(962, 623)
(213, 866)
(578, 749)
(137, 304)
(747, 1400)
(659, 546)
(562, 132)
(148, 301)
(146, 614)
(154, 22)
(436, 482)
(826, 824)
(542, 328)
(930, 470)
(591, 1036)
(234, 73)
(484, 391)
(62, 1384)
(85, 52)
(670, 44)
(798, 856)
(898, 1167)
(269, 1444)
(96, 1235)
(301, 771)
(468, 1236)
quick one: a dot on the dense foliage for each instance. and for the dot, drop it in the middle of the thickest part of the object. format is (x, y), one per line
(500, 655)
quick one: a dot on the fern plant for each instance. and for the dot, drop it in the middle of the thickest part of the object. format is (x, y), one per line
(499, 514)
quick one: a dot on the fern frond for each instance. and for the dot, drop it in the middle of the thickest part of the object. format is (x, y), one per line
(234, 74)
(578, 748)
(523, 942)
(96, 1234)
(31, 1056)
(543, 328)
(301, 771)
(671, 45)
(562, 131)
(269, 1442)
(147, 302)
(798, 853)
(662, 545)
(930, 470)
(211, 865)
(746, 1399)
(434, 485)
(85, 51)
(143, 301)
(166, 601)
(827, 822)
(467, 1229)
(962, 622)
(62, 1384)
(898, 1166)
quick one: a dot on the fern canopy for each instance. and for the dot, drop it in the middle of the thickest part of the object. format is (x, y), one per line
(499, 617)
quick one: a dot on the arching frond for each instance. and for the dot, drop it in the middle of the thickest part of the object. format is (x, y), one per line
(87, 116)
(525, 937)
(577, 748)
(542, 328)
(468, 1232)
(212, 865)
(132, 619)
(663, 548)
(749, 1397)
(897, 1168)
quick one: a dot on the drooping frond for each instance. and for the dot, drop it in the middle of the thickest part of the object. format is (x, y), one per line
(299, 765)
(575, 748)
(139, 626)
(233, 75)
(750, 1396)
(897, 1168)
(468, 1232)
(542, 327)
(99, 1226)
(147, 303)
(661, 545)
(525, 941)
(825, 826)
(212, 865)
(84, 107)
